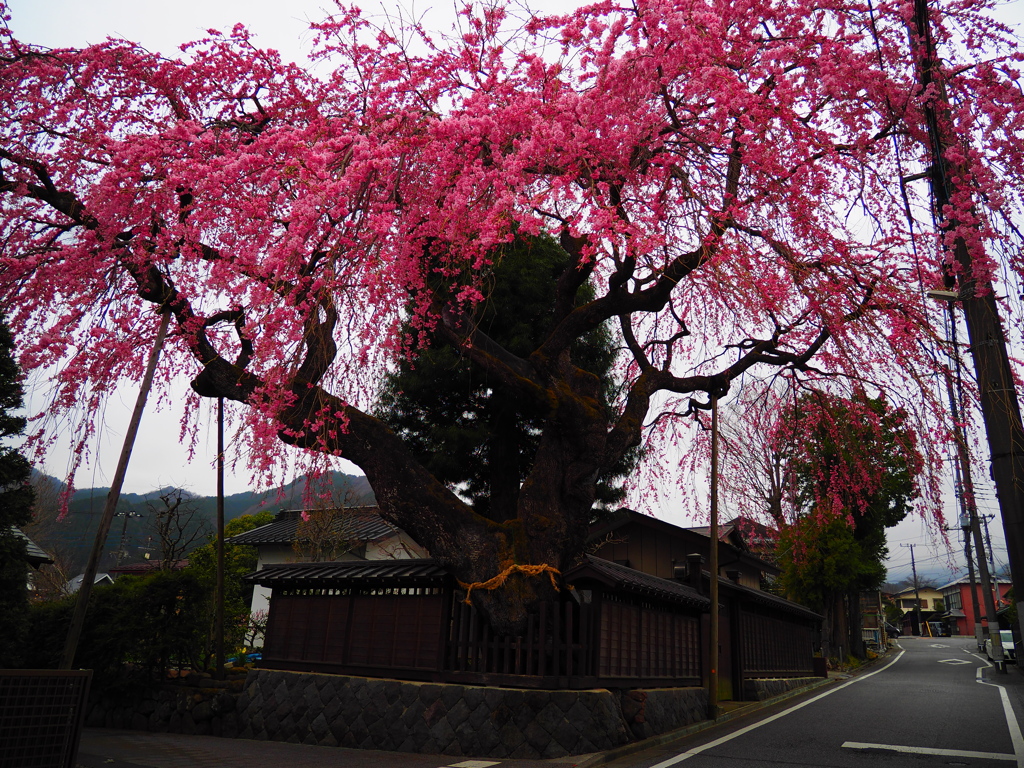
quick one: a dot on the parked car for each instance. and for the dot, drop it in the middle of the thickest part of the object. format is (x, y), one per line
(892, 630)
(1009, 651)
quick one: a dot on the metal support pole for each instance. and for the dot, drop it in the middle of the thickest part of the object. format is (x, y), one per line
(713, 567)
(219, 634)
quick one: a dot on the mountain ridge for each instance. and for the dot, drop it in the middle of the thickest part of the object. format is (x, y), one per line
(71, 537)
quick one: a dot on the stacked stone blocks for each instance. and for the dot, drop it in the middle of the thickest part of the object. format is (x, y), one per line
(426, 718)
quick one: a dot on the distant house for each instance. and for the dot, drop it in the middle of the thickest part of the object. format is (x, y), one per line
(658, 548)
(366, 536)
(956, 598)
(34, 554)
(907, 601)
(75, 584)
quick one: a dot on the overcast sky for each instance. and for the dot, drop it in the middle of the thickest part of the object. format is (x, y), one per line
(163, 26)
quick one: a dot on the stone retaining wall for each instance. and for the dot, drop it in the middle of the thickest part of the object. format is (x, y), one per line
(194, 704)
(427, 718)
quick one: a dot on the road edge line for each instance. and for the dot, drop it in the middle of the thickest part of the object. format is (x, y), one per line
(1016, 738)
(746, 729)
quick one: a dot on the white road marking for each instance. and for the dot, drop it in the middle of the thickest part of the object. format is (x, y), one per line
(473, 764)
(1011, 719)
(697, 750)
(939, 645)
(927, 751)
(955, 661)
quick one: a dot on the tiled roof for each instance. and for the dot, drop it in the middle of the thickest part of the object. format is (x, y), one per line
(636, 582)
(356, 523)
(34, 554)
(424, 572)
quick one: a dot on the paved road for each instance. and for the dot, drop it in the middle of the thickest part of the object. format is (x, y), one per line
(934, 704)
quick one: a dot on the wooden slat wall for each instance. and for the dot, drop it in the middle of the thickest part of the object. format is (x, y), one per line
(772, 646)
(648, 642)
(556, 643)
(398, 631)
(610, 640)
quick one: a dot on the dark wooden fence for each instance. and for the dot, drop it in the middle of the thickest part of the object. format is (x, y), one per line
(377, 630)
(425, 634)
(774, 646)
(616, 629)
(647, 643)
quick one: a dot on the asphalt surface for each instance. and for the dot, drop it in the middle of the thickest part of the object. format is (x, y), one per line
(930, 698)
(934, 702)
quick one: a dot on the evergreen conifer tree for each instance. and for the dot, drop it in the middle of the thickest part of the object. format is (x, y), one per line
(462, 426)
(16, 497)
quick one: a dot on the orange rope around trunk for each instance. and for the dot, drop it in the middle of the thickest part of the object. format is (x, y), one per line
(497, 581)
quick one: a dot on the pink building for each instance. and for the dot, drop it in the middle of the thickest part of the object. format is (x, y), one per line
(956, 597)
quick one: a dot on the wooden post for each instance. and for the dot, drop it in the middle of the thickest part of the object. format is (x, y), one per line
(67, 659)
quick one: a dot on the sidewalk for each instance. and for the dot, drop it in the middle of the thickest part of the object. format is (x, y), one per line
(111, 748)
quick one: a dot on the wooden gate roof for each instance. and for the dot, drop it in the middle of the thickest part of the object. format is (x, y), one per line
(370, 573)
(620, 578)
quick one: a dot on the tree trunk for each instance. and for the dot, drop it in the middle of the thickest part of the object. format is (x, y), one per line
(856, 620)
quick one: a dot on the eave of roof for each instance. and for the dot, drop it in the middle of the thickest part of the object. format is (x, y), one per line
(34, 554)
(397, 573)
(767, 598)
(622, 578)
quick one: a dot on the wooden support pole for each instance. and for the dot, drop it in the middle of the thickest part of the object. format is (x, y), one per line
(85, 591)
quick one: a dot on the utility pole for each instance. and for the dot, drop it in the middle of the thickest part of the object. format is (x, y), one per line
(917, 594)
(124, 531)
(965, 481)
(997, 392)
(979, 636)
